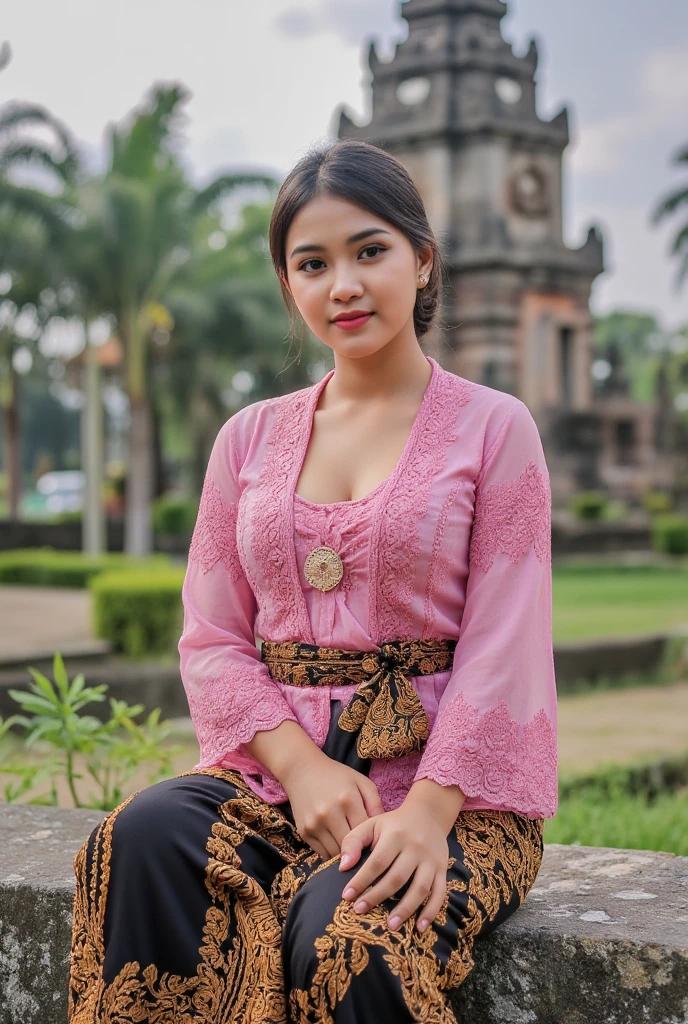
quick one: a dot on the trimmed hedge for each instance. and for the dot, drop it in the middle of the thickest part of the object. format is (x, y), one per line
(140, 613)
(589, 504)
(670, 534)
(47, 567)
(648, 778)
(174, 515)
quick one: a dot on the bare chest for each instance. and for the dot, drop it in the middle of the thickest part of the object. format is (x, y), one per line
(347, 459)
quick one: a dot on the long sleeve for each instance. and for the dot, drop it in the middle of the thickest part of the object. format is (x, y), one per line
(495, 730)
(230, 692)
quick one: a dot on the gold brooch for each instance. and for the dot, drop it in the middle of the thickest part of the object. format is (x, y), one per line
(323, 568)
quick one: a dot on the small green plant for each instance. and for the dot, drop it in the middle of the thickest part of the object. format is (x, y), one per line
(588, 504)
(657, 502)
(112, 750)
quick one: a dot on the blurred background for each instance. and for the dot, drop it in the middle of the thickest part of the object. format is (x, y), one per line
(139, 160)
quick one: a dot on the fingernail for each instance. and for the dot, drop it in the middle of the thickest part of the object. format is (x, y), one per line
(349, 893)
(361, 907)
(345, 860)
(394, 922)
(422, 925)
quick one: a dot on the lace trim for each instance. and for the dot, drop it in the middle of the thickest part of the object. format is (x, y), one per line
(272, 541)
(394, 778)
(494, 757)
(231, 708)
(440, 562)
(396, 542)
(510, 517)
(214, 535)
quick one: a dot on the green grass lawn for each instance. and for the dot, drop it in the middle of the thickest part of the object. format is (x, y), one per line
(591, 601)
(622, 820)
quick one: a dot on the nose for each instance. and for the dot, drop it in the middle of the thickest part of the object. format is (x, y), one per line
(346, 284)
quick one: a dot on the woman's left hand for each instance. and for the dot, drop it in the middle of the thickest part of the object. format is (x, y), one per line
(408, 841)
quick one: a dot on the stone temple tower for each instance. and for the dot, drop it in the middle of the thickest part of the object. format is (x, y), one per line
(457, 107)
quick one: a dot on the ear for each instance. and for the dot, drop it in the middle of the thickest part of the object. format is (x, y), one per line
(425, 261)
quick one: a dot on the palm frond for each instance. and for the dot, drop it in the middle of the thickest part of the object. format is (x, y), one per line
(681, 156)
(144, 142)
(669, 204)
(680, 241)
(225, 184)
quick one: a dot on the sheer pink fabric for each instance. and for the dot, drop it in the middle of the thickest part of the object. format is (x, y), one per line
(455, 543)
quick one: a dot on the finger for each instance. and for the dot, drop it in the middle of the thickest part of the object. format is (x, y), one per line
(330, 843)
(377, 862)
(432, 908)
(338, 825)
(371, 800)
(354, 842)
(418, 891)
(324, 844)
(388, 884)
(358, 814)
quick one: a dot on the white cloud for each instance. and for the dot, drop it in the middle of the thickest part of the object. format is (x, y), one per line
(604, 147)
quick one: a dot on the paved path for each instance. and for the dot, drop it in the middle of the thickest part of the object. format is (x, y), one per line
(43, 619)
(623, 725)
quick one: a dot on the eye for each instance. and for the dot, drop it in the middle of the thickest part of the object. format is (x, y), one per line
(366, 248)
(380, 248)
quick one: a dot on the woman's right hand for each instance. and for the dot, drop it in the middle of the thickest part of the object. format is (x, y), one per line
(328, 799)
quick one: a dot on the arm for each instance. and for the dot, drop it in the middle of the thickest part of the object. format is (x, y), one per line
(232, 697)
(495, 731)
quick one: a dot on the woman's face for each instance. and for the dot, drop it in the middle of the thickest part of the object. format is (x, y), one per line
(341, 258)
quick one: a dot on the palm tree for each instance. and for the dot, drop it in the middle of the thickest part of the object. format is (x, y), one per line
(670, 204)
(24, 213)
(132, 233)
(228, 315)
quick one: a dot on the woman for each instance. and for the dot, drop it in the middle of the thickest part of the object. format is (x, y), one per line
(372, 783)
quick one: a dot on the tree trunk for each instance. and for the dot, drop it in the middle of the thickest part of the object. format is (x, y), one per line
(12, 442)
(138, 531)
(93, 540)
(158, 467)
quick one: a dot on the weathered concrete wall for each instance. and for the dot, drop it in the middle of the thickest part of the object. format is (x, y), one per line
(601, 939)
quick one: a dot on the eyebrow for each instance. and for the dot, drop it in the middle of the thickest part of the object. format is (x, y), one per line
(352, 238)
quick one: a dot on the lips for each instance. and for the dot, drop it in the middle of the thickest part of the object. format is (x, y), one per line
(352, 321)
(352, 314)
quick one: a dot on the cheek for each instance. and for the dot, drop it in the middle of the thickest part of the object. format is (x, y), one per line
(394, 294)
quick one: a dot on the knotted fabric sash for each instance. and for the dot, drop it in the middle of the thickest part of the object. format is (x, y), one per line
(385, 708)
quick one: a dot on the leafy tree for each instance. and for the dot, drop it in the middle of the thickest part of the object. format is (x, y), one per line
(129, 243)
(24, 255)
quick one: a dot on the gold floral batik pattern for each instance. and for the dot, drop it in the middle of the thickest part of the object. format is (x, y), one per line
(238, 981)
(239, 978)
(385, 710)
(503, 852)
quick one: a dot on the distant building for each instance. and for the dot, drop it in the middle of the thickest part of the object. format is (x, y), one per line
(458, 108)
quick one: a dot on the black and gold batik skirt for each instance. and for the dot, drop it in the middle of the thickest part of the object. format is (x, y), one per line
(197, 901)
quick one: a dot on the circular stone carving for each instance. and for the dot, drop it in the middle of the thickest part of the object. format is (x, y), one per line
(323, 568)
(508, 90)
(529, 192)
(412, 91)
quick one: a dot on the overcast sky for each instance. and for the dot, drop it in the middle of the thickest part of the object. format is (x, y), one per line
(267, 77)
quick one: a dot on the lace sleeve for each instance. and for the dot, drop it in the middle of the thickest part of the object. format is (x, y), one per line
(495, 731)
(230, 692)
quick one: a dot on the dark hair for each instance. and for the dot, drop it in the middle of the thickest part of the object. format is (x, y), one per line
(376, 181)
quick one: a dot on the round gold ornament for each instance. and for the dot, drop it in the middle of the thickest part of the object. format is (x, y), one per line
(323, 568)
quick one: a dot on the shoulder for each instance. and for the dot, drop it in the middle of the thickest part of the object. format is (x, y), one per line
(491, 412)
(254, 420)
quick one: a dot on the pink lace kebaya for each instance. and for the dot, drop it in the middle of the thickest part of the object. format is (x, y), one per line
(455, 543)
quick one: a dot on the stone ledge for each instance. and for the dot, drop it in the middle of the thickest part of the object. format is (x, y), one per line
(601, 939)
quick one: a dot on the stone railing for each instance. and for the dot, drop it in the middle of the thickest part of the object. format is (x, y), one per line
(601, 939)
